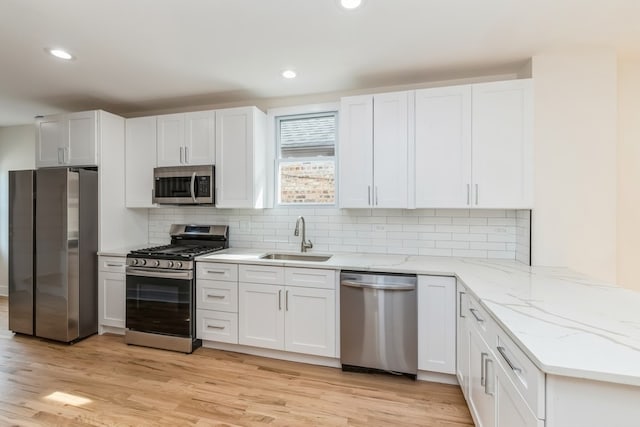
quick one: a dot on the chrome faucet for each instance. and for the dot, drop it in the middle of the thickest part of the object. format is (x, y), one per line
(304, 245)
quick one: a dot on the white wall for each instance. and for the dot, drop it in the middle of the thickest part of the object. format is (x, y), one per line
(17, 151)
(629, 172)
(574, 219)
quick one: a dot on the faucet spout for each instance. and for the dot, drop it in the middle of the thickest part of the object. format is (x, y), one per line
(304, 244)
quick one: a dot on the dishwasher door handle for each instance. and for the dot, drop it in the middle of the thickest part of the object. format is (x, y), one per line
(385, 287)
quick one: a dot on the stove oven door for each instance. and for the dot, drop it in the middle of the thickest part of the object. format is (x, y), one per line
(160, 302)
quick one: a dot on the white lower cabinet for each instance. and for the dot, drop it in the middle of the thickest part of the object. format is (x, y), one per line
(217, 302)
(300, 319)
(111, 291)
(462, 341)
(310, 321)
(217, 326)
(261, 320)
(502, 386)
(437, 324)
(511, 409)
(481, 397)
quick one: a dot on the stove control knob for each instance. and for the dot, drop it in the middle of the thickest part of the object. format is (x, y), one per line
(134, 261)
(170, 264)
(157, 263)
(178, 264)
(143, 262)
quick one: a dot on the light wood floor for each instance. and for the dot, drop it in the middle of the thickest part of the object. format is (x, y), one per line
(134, 386)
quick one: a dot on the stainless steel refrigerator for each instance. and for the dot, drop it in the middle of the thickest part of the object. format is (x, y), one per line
(53, 243)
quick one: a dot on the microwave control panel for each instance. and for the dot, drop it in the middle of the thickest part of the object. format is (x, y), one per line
(203, 186)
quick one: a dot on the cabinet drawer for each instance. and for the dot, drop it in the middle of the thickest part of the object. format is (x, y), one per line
(217, 326)
(112, 264)
(479, 318)
(217, 271)
(261, 274)
(527, 378)
(310, 278)
(217, 295)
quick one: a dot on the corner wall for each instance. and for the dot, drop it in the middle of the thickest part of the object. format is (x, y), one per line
(575, 161)
(17, 151)
(629, 172)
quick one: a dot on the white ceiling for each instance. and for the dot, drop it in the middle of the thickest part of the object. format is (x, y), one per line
(143, 55)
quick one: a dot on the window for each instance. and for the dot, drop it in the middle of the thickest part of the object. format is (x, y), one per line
(306, 158)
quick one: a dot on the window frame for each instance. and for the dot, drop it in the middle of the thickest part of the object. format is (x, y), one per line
(273, 116)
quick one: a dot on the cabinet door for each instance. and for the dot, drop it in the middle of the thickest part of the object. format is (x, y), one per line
(443, 147)
(355, 159)
(111, 310)
(502, 152)
(52, 138)
(83, 139)
(481, 396)
(200, 138)
(140, 159)
(261, 315)
(234, 154)
(511, 409)
(462, 339)
(310, 321)
(170, 144)
(390, 150)
(437, 324)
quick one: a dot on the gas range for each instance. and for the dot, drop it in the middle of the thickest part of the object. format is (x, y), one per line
(187, 242)
(160, 288)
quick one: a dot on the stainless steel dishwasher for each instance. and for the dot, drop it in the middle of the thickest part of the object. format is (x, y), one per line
(378, 322)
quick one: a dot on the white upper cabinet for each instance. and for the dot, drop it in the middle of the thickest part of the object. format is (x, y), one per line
(473, 146)
(68, 140)
(356, 152)
(244, 162)
(443, 147)
(390, 147)
(373, 150)
(186, 139)
(140, 159)
(502, 149)
(200, 138)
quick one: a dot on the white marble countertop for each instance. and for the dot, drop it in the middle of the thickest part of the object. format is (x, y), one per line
(566, 323)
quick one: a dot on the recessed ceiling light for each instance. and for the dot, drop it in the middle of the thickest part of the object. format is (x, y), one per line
(350, 4)
(289, 74)
(60, 53)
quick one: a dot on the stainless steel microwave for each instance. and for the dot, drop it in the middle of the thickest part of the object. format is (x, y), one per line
(184, 185)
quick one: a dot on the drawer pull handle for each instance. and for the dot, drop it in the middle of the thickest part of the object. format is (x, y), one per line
(216, 271)
(215, 327)
(215, 296)
(487, 376)
(483, 366)
(114, 265)
(475, 314)
(503, 353)
(460, 295)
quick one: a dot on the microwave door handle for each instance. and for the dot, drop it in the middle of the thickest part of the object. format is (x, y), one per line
(193, 187)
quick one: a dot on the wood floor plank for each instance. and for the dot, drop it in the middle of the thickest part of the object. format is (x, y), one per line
(136, 386)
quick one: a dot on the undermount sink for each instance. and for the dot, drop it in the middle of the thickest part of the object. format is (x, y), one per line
(296, 257)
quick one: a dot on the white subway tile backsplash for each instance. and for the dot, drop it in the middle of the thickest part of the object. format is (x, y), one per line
(480, 233)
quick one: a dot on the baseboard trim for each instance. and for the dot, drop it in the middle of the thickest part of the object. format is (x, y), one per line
(110, 330)
(274, 354)
(437, 377)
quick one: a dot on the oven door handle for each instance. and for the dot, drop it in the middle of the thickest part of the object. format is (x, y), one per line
(193, 187)
(151, 272)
